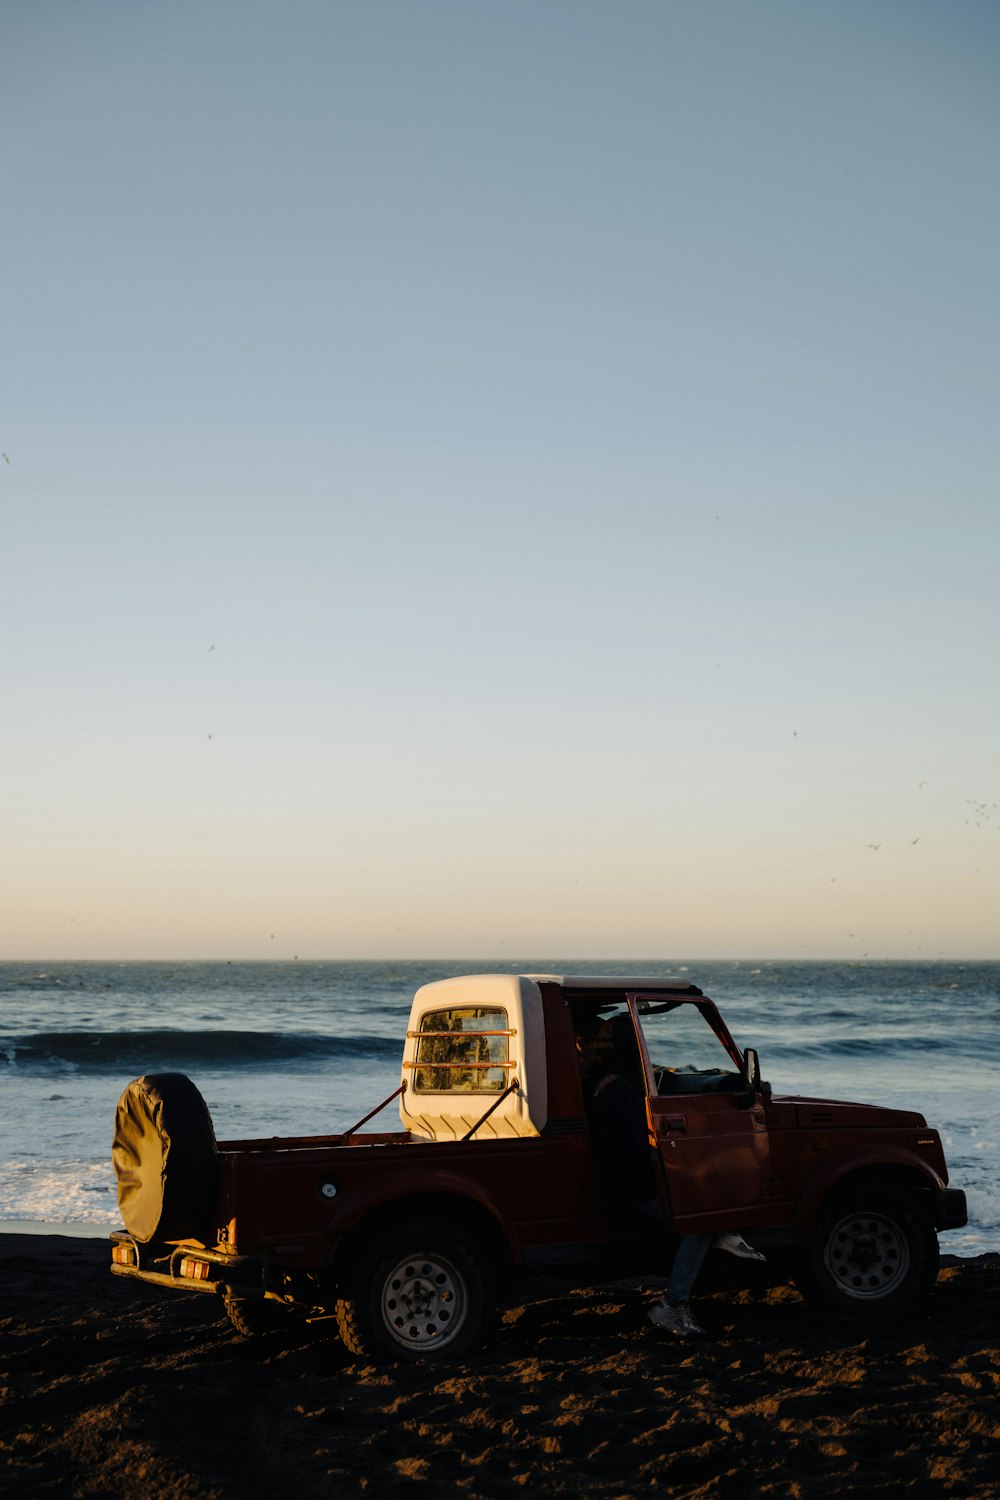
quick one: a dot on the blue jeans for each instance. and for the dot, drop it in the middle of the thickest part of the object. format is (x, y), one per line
(687, 1263)
(690, 1253)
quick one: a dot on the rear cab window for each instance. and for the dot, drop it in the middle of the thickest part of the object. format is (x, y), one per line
(462, 1050)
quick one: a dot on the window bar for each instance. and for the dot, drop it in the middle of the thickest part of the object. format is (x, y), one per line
(465, 1035)
(459, 1065)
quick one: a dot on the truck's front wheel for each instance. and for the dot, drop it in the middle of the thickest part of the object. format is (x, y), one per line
(422, 1291)
(873, 1249)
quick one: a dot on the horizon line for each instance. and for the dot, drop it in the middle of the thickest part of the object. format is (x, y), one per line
(479, 959)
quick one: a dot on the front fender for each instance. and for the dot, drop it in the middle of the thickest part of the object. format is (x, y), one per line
(840, 1167)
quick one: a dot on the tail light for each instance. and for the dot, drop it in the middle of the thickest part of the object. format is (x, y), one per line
(195, 1270)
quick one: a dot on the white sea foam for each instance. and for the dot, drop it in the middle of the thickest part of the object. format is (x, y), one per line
(81, 1192)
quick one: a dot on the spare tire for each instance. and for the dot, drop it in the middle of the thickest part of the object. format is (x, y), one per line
(166, 1159)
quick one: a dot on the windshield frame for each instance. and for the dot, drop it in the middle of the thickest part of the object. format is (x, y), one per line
(651, 1002)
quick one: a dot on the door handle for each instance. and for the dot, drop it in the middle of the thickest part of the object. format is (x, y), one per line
(675, 1124)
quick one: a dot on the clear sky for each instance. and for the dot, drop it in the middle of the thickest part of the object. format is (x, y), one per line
(499, 478)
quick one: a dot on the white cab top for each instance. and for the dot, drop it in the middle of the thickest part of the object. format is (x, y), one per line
(442, 1114)
(614, 981)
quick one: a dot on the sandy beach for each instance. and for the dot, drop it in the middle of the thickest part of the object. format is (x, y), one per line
(106, 1386)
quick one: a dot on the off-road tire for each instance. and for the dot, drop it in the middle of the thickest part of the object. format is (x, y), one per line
(873, 1250)
(422, 1291)
(252, 1317)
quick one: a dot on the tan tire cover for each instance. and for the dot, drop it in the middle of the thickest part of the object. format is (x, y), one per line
(166, 1159)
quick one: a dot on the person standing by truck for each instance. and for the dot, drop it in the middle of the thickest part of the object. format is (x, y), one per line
(617, 1119)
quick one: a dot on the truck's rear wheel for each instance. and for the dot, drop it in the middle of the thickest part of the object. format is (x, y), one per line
(873, 1249)
(254, 1316)
(423, 1291)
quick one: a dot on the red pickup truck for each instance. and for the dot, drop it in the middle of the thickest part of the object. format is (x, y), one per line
(406, 1237)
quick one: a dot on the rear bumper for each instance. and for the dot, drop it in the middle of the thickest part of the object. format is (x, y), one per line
(244, 1274)
(948, 1208)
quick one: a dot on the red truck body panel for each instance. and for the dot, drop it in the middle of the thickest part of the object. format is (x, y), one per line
(538, 1193)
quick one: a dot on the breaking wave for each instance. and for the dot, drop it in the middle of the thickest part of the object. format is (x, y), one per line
(863, 1046)
(149, 1050)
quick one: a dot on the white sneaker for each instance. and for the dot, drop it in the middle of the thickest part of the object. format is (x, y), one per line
(735, 1244)
(677, 1320)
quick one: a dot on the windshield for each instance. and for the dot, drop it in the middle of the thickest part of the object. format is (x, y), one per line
(686, 1054)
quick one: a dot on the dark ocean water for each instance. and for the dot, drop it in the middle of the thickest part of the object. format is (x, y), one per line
(310, 1047)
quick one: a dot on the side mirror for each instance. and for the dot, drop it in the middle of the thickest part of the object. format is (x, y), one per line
(751, 1080)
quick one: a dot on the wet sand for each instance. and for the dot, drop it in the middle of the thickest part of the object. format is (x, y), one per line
(108, 1387)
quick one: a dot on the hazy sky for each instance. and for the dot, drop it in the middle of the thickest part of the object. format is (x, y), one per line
(499, 478)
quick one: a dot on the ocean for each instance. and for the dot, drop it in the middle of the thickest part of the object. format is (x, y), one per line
(306, 1048)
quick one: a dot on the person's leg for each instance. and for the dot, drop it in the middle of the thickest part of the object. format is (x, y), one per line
(687, 1263)
(674, 1314)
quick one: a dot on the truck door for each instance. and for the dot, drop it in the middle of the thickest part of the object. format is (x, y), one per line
(710, 1134)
